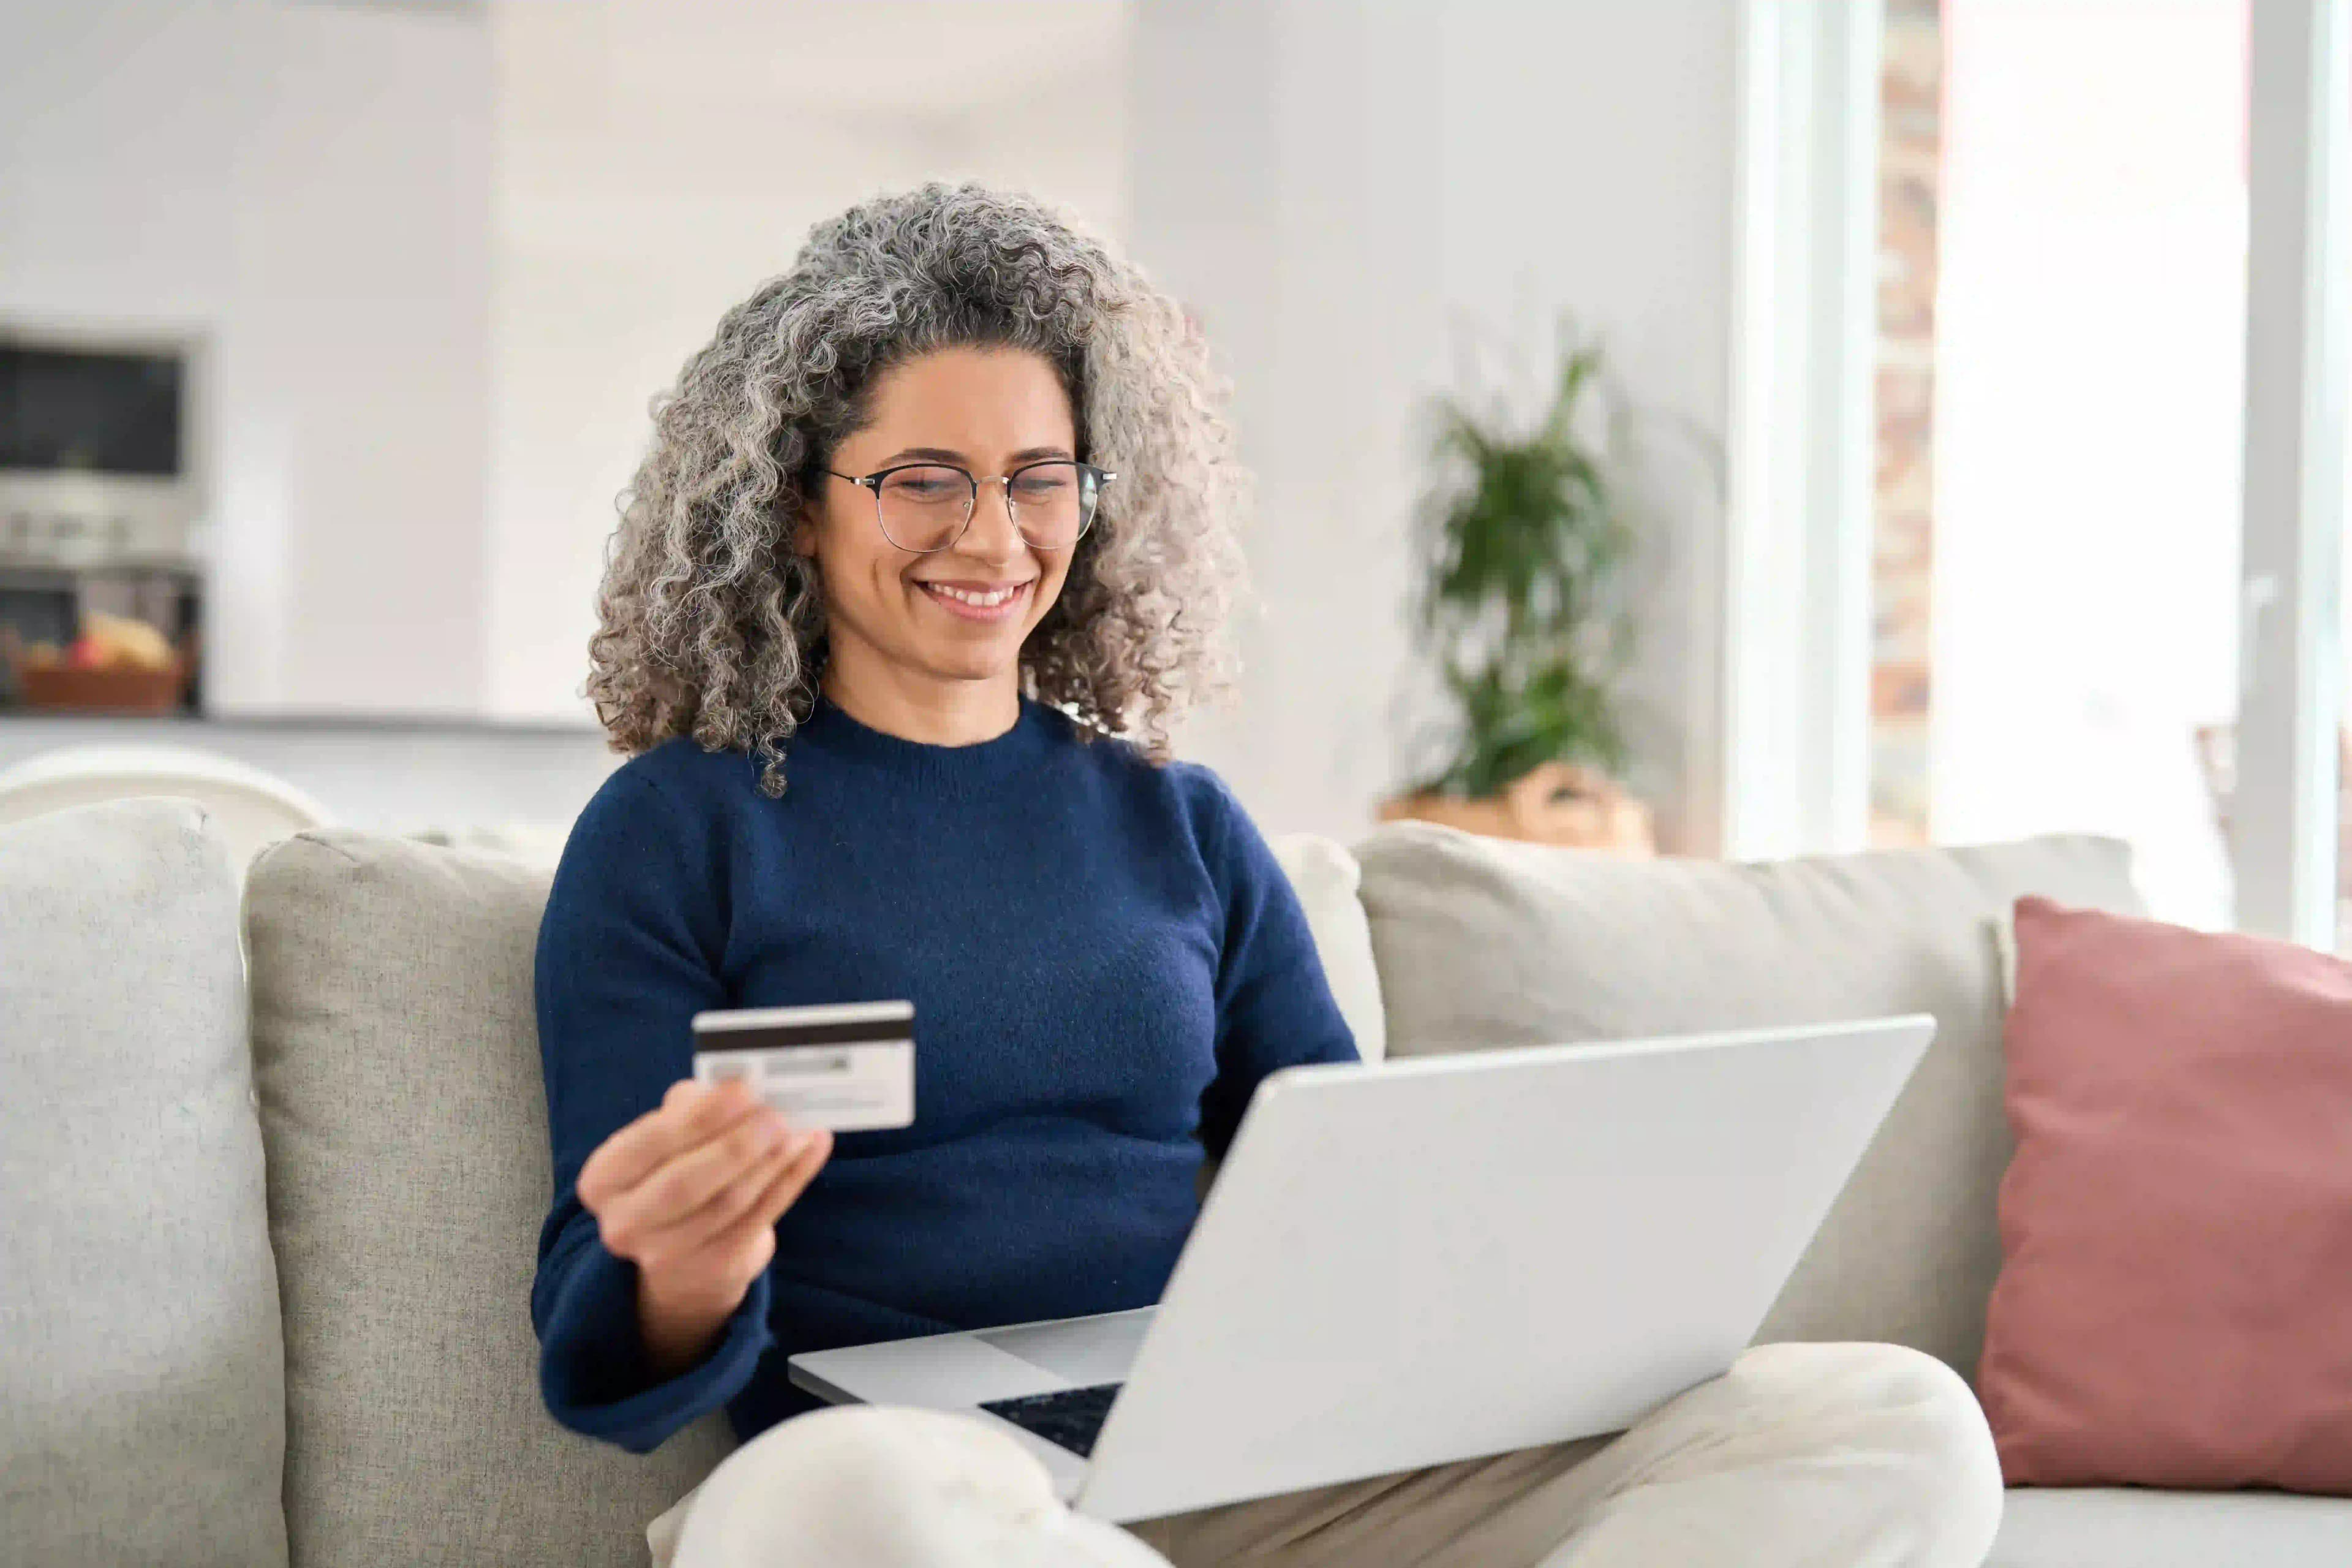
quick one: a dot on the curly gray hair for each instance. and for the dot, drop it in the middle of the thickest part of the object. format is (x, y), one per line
(712, 627)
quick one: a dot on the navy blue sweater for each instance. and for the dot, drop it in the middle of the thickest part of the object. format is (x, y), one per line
(1104, 960)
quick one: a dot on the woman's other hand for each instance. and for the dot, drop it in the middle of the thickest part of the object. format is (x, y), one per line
(690, 1192)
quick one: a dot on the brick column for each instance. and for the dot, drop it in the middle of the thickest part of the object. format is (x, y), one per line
(1902, 559)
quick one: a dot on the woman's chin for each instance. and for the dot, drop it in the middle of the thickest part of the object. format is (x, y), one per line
(992, 658)
(968, 649)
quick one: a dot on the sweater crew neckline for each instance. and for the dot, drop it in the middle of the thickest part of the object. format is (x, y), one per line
(831, 729)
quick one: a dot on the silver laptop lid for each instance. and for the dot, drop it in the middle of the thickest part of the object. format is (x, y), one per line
(1444, 1257)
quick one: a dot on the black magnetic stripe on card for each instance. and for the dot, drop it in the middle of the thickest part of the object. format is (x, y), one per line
(770, 1036)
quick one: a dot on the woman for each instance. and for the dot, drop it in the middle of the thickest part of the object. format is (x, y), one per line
(930, 550)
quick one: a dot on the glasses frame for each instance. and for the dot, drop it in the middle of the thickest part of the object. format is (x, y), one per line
(873, 482)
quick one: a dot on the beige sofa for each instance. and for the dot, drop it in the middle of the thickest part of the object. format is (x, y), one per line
(267, 1242)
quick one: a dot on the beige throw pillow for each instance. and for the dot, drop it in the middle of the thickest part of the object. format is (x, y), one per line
(142, 1412)
(1326, 877)
(1484, 942)
(406, 1123)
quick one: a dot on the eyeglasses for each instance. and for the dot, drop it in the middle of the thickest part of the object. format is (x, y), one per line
(925, 507)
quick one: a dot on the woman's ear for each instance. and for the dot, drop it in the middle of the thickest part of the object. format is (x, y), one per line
(800, 529)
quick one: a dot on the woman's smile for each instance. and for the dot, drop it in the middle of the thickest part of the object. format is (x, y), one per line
(974, 600)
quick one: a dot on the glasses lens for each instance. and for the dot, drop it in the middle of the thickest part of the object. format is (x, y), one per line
(924, 509)
(1053, 503)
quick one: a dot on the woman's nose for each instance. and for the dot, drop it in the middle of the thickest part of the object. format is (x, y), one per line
(993, 532)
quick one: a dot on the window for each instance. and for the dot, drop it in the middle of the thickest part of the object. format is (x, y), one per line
(2099, 554)
(2058, 494)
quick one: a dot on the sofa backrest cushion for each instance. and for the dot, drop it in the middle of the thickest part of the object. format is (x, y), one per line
(1326, 877)
(141, 1392)
(1486, 942)
(406, 1127)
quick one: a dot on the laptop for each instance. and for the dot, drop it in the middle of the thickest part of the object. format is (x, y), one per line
(1428, 1259)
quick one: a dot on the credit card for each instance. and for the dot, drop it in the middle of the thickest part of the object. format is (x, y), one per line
(849, 1066)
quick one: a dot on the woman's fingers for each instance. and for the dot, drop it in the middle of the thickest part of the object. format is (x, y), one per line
(751, 1191)
(671, 1241)
(684, 1182)
(688, 1180)
(727, 1226)
(689, 1115)
(782, 1191)
(788, 1184)
(708, 1163)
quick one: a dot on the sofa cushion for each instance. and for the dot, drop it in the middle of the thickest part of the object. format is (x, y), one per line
(142, 1390)
(1482, 941)
(2118, 1527)
(408, 1173)
(1326, 878)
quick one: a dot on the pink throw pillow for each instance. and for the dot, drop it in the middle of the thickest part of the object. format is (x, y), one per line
(2174, 1301)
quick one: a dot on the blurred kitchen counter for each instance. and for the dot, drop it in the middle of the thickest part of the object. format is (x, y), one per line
(393, 774)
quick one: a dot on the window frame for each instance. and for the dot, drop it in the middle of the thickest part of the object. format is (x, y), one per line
(1800, 523)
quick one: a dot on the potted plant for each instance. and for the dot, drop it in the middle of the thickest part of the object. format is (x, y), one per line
(1524, 535)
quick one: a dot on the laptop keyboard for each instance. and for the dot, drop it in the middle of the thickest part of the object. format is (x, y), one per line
(1069, 1418)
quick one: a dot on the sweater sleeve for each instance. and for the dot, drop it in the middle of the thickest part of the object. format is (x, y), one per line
(628, 953)
(1274, 1007)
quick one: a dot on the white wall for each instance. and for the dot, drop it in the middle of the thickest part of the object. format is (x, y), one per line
(1332, 186)
(1286, 196)
(444, 259)
(307, 186)
(449, 260)
(1590, 154)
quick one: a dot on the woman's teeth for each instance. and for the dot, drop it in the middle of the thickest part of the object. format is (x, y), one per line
(988, 599)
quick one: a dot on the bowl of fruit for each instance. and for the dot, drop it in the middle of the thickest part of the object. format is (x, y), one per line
(117, 665)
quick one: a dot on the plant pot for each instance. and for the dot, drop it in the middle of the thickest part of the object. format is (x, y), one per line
(1553, 802)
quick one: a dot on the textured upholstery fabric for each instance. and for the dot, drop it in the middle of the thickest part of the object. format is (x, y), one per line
(406, 1122)
(408, 1170)
(1326, 878)
(2118, 1527)
(1486, 942)
(141, 1396)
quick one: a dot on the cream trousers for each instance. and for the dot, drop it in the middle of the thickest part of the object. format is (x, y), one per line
(1855, 1455)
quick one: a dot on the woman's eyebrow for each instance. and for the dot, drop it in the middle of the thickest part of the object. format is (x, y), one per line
(950, 454)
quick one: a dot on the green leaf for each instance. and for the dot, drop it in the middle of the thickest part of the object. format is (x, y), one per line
(1524, 535)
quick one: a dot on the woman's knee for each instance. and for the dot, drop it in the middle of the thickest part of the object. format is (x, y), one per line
(1910, 1410)
(892, 1487)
